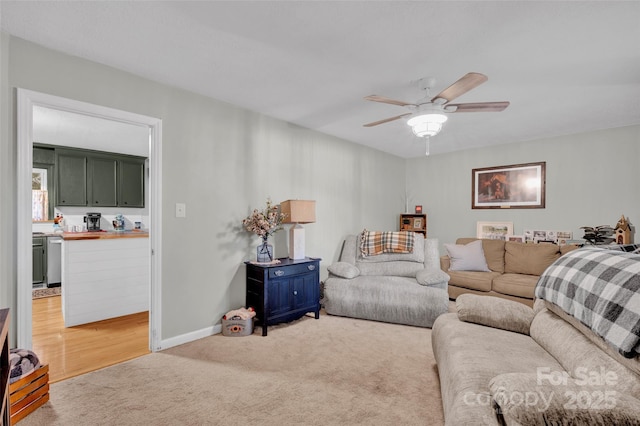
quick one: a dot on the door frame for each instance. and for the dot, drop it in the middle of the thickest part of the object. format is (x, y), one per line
(26, 100)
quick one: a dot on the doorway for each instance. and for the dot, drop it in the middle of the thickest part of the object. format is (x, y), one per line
(26, 101)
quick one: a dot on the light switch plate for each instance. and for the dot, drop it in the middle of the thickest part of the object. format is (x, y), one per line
(181, 210)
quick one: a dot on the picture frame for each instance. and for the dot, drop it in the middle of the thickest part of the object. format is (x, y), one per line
(517, 186)
(515, 238)
(494, 230)
(417, 223)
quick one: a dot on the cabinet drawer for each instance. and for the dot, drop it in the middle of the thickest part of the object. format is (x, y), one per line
(292, 270)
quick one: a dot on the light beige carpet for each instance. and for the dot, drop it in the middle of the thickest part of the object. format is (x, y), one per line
(331, 371)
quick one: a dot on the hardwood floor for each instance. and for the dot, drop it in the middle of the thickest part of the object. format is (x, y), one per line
(83, 348)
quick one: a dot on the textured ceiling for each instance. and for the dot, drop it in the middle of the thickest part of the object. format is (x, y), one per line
(566, 67)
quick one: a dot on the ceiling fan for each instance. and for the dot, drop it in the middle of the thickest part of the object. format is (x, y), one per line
(428, 115)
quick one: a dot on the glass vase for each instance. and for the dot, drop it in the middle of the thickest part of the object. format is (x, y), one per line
(264, 252)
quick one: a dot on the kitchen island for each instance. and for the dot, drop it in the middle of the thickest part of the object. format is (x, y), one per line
(104, 275)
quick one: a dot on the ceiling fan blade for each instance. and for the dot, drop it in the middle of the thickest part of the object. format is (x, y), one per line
(478, 107)
(469, 81)
(376, 98)
(386, 120)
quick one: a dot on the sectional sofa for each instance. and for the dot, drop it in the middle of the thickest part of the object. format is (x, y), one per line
(572, 359)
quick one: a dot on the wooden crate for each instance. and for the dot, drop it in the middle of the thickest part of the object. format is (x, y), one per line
(29, 393)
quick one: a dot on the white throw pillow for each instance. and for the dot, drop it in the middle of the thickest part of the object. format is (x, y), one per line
(469, 257)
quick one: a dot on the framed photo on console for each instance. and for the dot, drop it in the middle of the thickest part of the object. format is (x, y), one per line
(494, 230)
(517, 186)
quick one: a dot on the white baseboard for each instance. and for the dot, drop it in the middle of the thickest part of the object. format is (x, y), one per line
(190, 337)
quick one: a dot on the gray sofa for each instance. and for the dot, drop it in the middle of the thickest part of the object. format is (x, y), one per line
(502, 362)
(397, 288)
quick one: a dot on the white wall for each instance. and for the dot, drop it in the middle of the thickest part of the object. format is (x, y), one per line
(221, 161)
(591, 180)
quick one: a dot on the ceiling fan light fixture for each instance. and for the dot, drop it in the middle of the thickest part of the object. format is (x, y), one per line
(425, 125)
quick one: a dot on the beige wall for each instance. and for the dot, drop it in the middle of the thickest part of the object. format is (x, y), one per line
(221, 161)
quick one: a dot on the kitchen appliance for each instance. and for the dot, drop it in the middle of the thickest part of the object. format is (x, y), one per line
(93, 221)
(54, 261)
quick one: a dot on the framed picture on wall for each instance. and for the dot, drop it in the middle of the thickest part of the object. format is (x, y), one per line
(520, 186)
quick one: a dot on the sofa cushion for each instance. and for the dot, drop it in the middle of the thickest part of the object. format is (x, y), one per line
(525, 399)
(516, 285)
(473, 280)
(567, 248)
(467, 257)
(469, 356)
(343, 270)
(388, 299)
(632, 364)
(557, 336)
(530, 259)
(493, 252)
(398, 269)
(494, 312)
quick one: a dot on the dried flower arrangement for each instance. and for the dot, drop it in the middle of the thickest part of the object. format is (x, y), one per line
(266, 222)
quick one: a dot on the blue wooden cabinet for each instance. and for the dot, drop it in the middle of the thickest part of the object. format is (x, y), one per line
(283, 292)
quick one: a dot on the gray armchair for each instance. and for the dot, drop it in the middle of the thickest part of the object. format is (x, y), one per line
(397, 288)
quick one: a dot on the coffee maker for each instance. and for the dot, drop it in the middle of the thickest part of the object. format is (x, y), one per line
(93, 221)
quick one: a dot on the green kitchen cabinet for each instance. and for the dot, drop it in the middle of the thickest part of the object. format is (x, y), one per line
(71, 182)
(39, 267)
(99, 179)
(102, 182)
(131, 182)
(44, 155)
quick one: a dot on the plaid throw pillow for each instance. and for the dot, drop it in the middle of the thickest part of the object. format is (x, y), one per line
(376, 242)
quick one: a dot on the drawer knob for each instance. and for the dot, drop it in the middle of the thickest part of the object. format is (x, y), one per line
(295, 292)
(311, 267)
(279, 273)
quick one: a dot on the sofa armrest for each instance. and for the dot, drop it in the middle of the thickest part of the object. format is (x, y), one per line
(343, 270)
(536, 399)
(445, 263)
(431, 276)
(494, 312)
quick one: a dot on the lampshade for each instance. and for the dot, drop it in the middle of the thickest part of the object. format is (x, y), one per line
(428, 124)
(299, 211)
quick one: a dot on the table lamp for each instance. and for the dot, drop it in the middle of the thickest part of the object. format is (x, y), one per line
(298, 212)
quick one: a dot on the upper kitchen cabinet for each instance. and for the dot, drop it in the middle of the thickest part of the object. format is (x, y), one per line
(99, 179)
(131, 182)
(71, 182)
(102, 182)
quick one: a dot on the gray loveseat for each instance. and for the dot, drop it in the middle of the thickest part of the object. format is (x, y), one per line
(397, 288)
(501, 362)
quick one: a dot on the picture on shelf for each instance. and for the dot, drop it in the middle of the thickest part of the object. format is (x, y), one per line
(516, 238)
(494, 230)
(546, 236)
(417, 223)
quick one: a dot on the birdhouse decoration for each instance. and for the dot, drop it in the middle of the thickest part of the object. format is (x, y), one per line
(622, 232)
